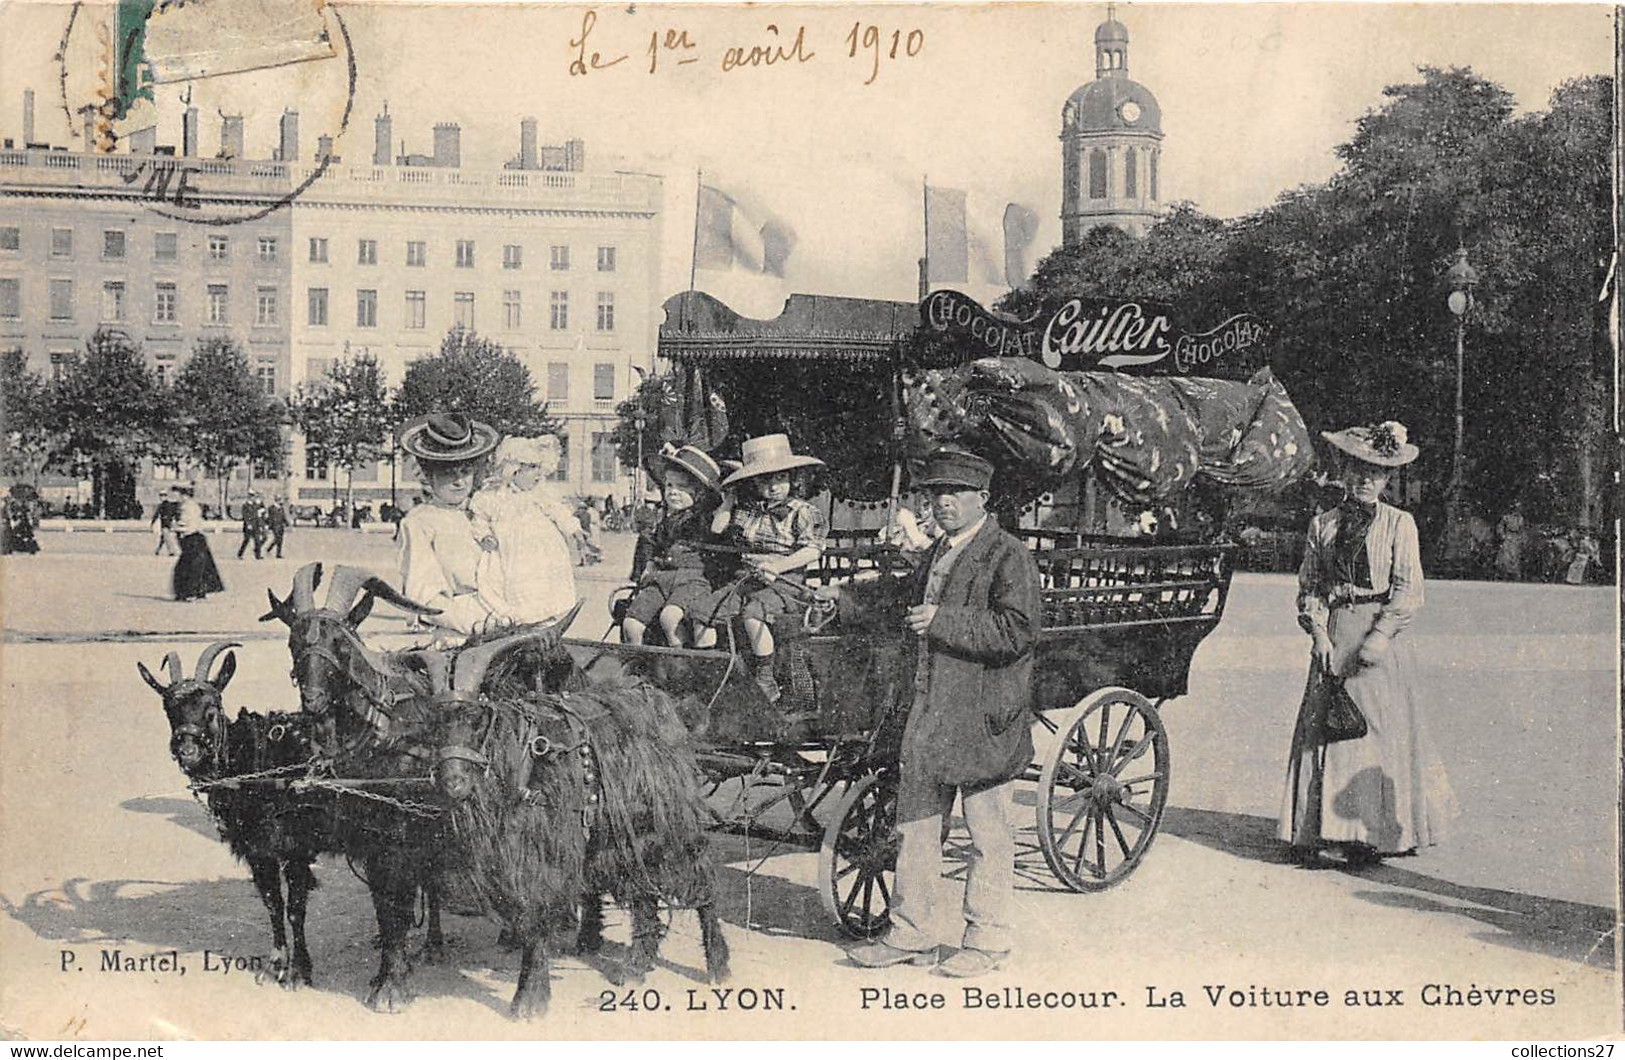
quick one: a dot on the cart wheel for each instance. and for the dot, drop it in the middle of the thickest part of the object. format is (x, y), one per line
(1102, 790)
(859, 857)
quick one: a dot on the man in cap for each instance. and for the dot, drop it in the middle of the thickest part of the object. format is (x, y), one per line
(974, 617)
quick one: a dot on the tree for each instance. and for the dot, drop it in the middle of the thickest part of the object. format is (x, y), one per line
(110, 411)
(478, 377)
(223, 418)
(346, 416)
(25, 401)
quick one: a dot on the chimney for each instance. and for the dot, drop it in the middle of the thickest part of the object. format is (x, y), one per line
(527, 144)
(231, 135)
(28, 116)
(144, 141)
(189, 143)
(448, 144)
(290, 136)
(324, 147)
(575, 155)
(382, 135)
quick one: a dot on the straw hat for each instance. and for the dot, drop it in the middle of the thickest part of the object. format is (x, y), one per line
(448, 438)
(696, 463)
(1384, 445)
(767, 454)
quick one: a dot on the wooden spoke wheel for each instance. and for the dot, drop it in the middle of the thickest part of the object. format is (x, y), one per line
(859, 858)
(1102, 790)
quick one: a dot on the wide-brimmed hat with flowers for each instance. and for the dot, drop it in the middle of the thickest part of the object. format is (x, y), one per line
(767, 454)
(1385, 444)
(448, 438)
(696, 463)
(542, 450)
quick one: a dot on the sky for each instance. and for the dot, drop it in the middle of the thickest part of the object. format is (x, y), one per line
(1254, 97)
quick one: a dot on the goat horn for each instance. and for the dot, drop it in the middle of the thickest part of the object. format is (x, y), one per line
(436, 664)
(305, 581)
(206, 660)
(390, 595)
(468, 671)
(172, 662)
(346, 585)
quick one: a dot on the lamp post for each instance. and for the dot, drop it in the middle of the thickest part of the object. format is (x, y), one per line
(640, 420)
(1461, 278)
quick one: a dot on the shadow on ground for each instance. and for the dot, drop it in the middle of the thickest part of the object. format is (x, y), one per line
(1550, 926)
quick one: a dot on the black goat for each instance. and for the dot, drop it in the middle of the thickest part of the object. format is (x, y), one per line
(276, 832)
(570, 794)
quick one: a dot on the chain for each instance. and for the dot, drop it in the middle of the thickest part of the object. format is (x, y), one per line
(417, 809)
(234, 781)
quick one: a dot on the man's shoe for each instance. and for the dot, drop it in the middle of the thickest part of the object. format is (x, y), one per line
(969, 963)
(885, 955)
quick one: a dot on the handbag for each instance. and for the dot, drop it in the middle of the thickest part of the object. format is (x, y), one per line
(1343, 718)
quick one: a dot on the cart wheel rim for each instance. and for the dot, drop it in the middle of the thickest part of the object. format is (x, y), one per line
(1103, 789)
(858, 860)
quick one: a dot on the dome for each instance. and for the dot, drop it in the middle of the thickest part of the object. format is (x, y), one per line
(1111, 31)
(1112, 104)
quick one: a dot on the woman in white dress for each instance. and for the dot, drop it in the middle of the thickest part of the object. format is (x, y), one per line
(527, 573)
(439, 554)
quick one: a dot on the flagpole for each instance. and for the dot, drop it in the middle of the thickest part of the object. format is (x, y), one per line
(694, 252)
(925, 261)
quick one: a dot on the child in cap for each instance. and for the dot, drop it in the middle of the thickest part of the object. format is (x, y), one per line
(670, 571)
(526, 574)
(779, 536)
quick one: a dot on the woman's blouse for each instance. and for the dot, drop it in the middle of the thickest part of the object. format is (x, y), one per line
(439, 557)
(190, 518)
(1394, 554)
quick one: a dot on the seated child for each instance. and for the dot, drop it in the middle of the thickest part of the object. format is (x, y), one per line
(669, 570)
(527, 574)
(780, 537)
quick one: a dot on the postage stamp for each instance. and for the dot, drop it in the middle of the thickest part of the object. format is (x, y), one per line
(761, 521)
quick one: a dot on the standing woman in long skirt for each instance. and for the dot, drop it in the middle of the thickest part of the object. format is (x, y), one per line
(196, 575)
(1359, 588)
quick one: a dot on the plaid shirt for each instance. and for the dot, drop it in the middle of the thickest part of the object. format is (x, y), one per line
(778, 530)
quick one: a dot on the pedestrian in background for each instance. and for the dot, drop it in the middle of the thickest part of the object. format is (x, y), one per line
(276, 521)
(195, 575)
(165, 516)
(253, 519)
(1363, 796)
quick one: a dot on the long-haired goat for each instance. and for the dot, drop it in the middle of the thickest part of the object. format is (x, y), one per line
(278, 833)
(570, 794)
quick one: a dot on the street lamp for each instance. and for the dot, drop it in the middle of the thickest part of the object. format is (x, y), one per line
(1460, 278)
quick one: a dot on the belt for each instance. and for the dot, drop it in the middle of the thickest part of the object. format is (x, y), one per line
(1350, 596)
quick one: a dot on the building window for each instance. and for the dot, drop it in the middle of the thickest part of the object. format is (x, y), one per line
(113, 244)
(366, 252)
(416, 253)
(512, 256)
(416, 309)
(1131, 174)
(61, 242)
(164, 371)
(316, 307)
(318, 250)
(61, 360)
(219, 248)
(267, 245)
(558, 310)
(603, 382)
(11, 237)
(366, 309)
(558, 381)
(265, 375)
(465, 253)
(463, 309)
(510, 309)
(606, 259)
(603, 456)
(315, 464)
(606, 311)
(1097, 174)
(558, 258)
(561, 473)
(163, 304)
(164, 245)
(11, 298)
(113, 300)
(61, 299)
(218, 304)
(265, 307)
(1154, 156)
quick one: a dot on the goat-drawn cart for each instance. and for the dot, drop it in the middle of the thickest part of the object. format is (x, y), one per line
(1121, 618)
